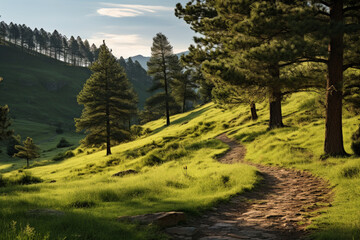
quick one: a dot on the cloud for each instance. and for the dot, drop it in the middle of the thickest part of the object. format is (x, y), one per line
(129, 10)
(123, 45)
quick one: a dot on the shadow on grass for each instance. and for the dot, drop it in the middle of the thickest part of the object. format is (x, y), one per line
(76, 224)
(188, 117)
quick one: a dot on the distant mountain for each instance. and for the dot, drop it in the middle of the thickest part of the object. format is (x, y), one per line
(143, 60)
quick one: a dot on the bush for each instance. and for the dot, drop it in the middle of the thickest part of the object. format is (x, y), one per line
(350, 172)
(136, 130)
(2, 181)
(152, 160)
(63, 156)
(63, 143)
(355, 146)
(25, 178)
(10, 148)
(82, 204)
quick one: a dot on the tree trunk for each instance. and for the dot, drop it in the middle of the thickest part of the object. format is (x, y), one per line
(254, 115)
(108, 146)
(184, 100)
(166, 92)
(333, 127)
(275, 100)
(27, 163)
(275, 110)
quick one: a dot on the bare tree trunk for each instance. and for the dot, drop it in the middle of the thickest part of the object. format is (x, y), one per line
(254, 115)
(108, 130)
(333, 127)
(275, 101)
(166, 92)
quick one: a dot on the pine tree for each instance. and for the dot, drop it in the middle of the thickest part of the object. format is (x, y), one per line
(163, 66)
(5, 123)
(28, 151)
(335, 30)
(183, 89)
(108, 102)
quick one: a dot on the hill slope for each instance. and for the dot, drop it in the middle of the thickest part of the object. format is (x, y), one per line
(83, 186)
(41, 93)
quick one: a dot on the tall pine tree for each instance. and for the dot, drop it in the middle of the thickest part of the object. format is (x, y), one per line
(164, 67)
(108, 103)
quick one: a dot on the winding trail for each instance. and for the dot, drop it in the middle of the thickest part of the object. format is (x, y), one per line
(279, 208)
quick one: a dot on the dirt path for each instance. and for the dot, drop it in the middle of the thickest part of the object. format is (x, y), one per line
(277, 209)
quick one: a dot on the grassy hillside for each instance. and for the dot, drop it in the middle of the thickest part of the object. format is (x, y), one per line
(82, 186)
(41, 93)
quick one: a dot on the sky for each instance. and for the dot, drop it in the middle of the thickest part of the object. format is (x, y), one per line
(128, 26)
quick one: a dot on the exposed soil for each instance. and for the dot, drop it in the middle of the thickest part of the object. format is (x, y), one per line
(279, 208)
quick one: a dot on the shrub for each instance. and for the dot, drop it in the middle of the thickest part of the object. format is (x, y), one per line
(63, 156)
(10, 148)
(355, 146)
(2, 181)
(350, 172)
(136, 130)
(25, 178)
(63, 143)
(82, 204)
(152, 160)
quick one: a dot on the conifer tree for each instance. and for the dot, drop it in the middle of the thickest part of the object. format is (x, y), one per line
(183, 89)
(28, 151)
(335, 29)
(163, 66)
(108, 103)
(5, 123)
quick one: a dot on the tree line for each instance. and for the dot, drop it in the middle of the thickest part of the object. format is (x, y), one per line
(255, 49)
(71, 50)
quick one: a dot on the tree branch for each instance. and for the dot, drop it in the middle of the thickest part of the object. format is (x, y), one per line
(319, 60)
(353, 8)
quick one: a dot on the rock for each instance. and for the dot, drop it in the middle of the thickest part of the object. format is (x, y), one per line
(222, 225)
(49, 212)
(123, 173)
(185, 231)
(162, 219)
(218, 238)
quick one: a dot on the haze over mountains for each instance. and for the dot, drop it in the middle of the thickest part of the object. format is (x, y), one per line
(143, 60)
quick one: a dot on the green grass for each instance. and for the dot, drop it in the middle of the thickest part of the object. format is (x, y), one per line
(83, 188)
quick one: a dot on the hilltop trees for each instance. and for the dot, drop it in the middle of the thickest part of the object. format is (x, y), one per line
(108, 101)
(164, 67)
(28, 151)
(54, 44)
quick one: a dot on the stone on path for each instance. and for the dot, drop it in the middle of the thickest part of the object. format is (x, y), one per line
(162, 219)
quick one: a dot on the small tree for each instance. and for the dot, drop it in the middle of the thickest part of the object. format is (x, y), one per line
(28, 151)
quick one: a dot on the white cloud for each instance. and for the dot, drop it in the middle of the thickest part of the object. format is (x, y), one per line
(129, 10)
(123, 45)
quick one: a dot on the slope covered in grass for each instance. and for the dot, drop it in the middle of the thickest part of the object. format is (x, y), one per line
(83, 188)
(177, 170)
